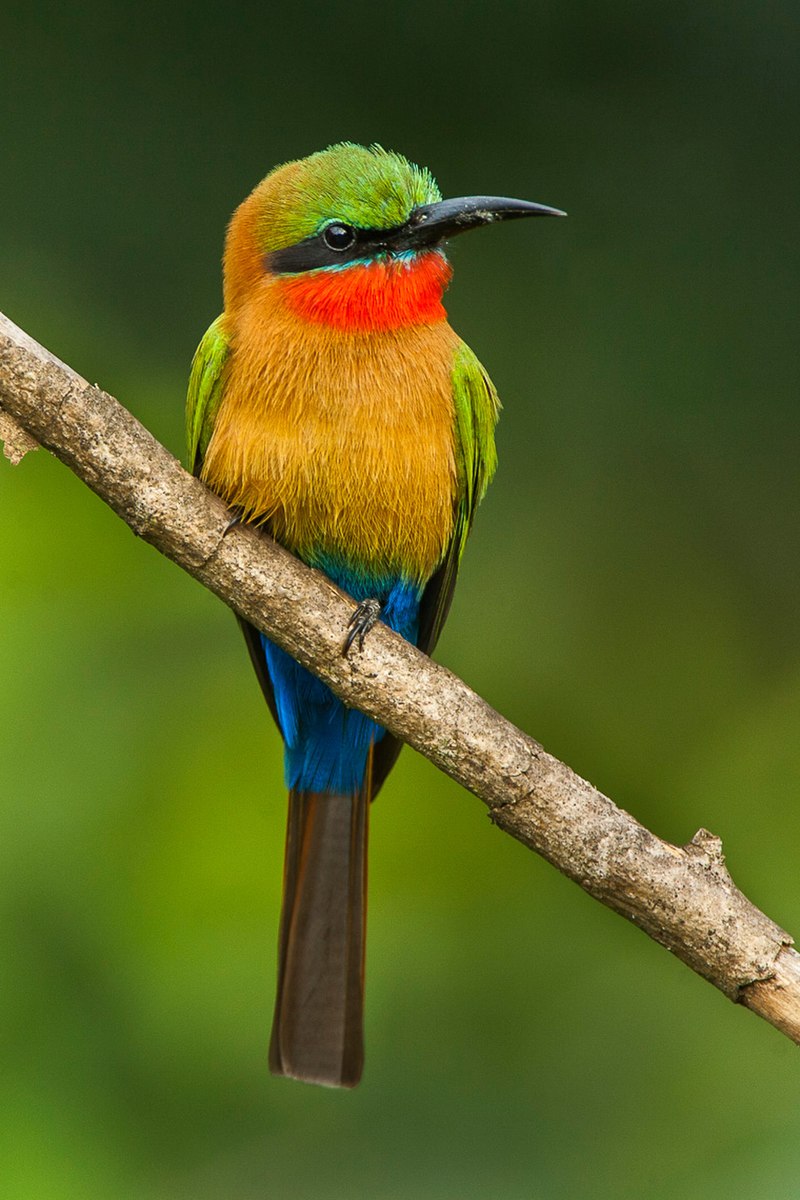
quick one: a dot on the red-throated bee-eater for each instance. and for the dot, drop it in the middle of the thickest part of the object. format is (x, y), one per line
(333, 404)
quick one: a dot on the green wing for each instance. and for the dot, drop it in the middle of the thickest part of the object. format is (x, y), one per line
(476, 407)
(206, 384)
(205, 391)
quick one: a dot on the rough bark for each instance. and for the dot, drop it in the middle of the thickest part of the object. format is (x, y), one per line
(682, 896)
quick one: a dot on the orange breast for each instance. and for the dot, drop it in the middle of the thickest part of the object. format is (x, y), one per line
(342, 440)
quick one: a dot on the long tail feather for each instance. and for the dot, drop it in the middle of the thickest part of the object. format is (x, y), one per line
(317, 1031)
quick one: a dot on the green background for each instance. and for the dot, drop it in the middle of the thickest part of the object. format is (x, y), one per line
(629, 598)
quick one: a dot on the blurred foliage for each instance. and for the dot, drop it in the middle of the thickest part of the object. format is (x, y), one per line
(630, 598)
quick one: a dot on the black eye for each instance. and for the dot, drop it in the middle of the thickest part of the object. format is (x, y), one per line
(339, 237)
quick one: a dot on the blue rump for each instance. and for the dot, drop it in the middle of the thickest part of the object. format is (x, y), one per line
(326, 743)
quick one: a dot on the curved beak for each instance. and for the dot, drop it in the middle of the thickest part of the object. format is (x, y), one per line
(433, 223)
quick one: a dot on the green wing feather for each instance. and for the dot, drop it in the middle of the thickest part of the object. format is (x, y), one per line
(205, 391)
(476, 407)
(206, 385)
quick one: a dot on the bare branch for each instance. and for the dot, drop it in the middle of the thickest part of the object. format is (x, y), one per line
(683, 897)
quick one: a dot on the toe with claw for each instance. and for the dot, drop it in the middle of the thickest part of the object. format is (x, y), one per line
(360, 624)
(236, 518)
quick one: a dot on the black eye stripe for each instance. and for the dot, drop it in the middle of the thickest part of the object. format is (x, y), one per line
(324, 249)
(336, 245)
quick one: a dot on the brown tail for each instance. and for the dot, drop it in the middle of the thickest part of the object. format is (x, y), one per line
(317, 1030)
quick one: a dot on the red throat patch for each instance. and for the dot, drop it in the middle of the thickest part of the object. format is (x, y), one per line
(374, 296)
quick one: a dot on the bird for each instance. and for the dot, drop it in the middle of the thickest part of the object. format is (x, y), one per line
(333, 405)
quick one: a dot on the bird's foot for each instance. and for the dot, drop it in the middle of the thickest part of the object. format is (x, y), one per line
(360, 624)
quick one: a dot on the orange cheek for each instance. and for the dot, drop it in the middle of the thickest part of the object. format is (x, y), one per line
(375, 296)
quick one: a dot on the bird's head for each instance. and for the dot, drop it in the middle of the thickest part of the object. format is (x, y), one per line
(353, 237)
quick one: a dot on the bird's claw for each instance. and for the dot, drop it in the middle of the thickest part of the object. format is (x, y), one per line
(359, 625)
(235, 519)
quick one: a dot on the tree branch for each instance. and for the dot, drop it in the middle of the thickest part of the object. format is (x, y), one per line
(683, 897)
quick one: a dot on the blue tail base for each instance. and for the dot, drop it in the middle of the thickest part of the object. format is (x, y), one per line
(326, 743)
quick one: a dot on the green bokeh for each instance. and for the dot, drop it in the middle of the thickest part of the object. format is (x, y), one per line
(630, 598)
